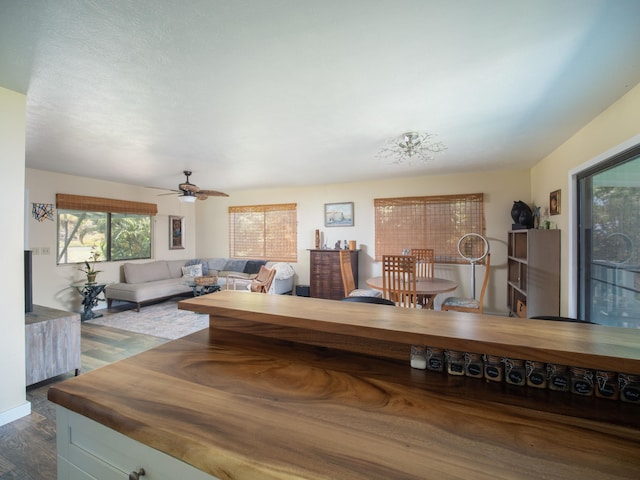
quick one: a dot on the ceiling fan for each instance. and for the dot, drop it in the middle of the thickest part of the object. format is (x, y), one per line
(188, 192)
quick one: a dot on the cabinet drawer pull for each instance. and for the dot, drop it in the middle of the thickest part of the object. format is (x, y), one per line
(137, 475)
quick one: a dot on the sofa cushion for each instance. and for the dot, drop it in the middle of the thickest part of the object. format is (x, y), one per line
(192, 271)
(253, 266)
(235, 265)
(175, 268)
(142, 292)
(216, 263)
(199, 261)
(146, 272)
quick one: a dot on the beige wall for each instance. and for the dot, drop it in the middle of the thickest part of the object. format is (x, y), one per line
(615, 128)
(13, 402)
(500, 189)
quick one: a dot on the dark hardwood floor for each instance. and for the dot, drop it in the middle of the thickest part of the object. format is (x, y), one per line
(28, 445)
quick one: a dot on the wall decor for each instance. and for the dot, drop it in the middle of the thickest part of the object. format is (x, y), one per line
(176, 232)
(338, 214)
(42, 211)
(554, 202)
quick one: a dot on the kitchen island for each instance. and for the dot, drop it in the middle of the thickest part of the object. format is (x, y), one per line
(289, 387)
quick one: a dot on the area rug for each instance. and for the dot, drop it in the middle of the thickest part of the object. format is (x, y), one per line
(162, 320)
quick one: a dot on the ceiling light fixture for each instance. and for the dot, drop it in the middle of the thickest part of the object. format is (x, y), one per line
(188, 197)
(411, 147)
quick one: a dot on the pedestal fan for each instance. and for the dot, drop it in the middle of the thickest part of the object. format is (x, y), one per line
(473, 247)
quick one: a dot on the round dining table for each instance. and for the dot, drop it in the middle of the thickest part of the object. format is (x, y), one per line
(426, 288)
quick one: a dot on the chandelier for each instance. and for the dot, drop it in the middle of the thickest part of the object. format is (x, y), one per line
(411, 147)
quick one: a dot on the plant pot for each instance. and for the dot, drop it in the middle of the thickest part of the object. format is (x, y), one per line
(91, 278)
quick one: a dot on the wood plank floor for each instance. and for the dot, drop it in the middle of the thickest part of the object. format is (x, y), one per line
(28, 445)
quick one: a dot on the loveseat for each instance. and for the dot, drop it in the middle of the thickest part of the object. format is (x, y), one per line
(160, 279)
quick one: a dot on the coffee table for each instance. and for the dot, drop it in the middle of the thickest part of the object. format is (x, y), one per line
(202, 289)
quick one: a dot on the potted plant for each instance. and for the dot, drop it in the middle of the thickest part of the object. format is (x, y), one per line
(89, 269)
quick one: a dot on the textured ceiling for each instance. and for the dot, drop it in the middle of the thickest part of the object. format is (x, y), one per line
(292, 92)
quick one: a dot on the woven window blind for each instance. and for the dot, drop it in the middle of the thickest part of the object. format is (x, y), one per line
(97, 204)
(267, 232)
(435, 222)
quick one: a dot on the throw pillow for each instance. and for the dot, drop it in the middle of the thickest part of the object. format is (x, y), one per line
(197, 261)
(192, 271)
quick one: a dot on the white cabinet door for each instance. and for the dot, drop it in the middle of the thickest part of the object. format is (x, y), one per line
(88, 450)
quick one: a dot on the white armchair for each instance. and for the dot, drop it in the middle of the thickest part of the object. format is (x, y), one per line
(283, 282)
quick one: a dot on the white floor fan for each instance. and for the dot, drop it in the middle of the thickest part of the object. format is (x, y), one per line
(473, 247)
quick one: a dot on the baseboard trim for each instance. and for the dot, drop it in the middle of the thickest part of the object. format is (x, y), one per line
(15, 413)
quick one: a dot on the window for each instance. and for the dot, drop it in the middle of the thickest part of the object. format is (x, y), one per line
(435, 222)
(267, 232)
(609, 236)
(115, 229)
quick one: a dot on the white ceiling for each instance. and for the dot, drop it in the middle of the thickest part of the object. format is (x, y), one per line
(250, 93)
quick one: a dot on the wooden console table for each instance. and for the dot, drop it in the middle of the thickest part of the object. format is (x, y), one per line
(52, 343)
(284, 387)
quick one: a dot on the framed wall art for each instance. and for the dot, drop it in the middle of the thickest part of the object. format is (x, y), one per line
(176, 232)
(338, 214)
(554, 202)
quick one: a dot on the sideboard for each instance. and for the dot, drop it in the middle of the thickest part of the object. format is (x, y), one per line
(325, 275)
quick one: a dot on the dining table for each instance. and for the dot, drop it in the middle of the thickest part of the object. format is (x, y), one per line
(426, 288)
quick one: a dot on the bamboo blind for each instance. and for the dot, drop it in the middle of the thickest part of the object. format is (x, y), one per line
(435, 222)
(268, 232)
(97, 204)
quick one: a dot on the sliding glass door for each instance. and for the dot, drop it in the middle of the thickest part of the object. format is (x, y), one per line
(609, 241)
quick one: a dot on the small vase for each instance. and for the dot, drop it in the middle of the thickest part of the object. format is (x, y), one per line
(91, 278)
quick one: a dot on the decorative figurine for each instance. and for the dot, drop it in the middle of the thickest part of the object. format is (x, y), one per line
(522, 215)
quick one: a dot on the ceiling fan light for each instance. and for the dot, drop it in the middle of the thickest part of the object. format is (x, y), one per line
(187, 198)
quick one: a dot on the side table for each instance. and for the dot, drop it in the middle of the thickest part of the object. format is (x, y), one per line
(90, 293)
(52, 343)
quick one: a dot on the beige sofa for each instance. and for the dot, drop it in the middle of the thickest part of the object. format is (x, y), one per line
(152, 281)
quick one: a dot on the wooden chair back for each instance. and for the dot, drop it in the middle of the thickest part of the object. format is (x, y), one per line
(264, 279)
(484, 282)
(425, 261)
(348, 282)
(399, 280)
(464, 305)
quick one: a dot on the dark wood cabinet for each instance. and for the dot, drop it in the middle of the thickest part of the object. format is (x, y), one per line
(325, 276)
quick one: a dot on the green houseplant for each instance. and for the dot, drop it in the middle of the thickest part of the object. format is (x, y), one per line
(89, 269)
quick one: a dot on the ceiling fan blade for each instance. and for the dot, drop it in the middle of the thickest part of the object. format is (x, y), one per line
(213, 193)
(162, 188)
(189, 187)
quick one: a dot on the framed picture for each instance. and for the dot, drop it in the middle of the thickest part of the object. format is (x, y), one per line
(338, 214)
(176, 232)
(554, 202)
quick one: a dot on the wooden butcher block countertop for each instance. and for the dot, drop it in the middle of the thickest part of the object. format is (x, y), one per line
(291, 387)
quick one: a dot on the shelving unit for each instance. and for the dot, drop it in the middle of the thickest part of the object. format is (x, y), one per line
(533, 281)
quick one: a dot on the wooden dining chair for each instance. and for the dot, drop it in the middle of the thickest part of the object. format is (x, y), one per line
(461, 304)
(349, 283)
(425, 261)
(399, 280)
